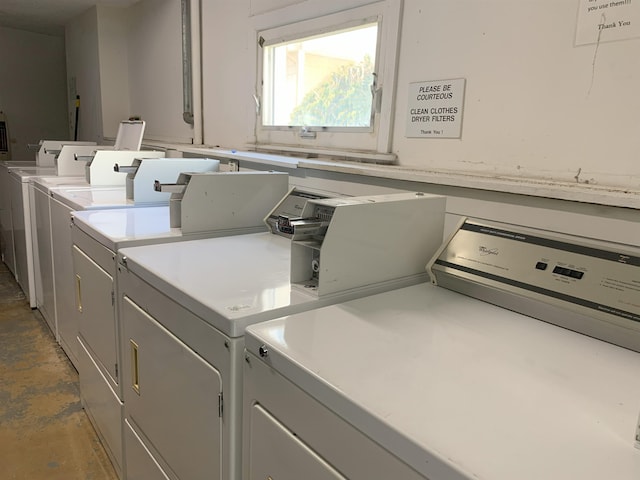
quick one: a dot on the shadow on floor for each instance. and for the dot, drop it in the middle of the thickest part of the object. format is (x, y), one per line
(44, 432)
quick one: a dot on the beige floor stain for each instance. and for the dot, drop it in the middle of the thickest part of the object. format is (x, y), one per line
(44, 432)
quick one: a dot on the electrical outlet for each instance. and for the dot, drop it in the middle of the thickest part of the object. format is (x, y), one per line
(233, 166)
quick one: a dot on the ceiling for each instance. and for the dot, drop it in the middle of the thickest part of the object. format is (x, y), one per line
(47, 16)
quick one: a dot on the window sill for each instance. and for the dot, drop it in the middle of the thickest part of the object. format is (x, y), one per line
(577, 192)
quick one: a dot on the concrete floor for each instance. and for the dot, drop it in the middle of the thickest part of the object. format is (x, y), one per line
(44, 432)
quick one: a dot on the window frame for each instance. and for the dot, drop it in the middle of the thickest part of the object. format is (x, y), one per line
(335, 29)
(373, 140)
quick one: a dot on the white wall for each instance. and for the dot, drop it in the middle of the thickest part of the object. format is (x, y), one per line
(113, 56)
(32, 88)
(83, 74)
(536, 106)
(155, 69)
(128, 62)
(228, 83)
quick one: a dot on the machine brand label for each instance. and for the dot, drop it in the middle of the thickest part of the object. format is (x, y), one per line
(487, 251)
(617, 257)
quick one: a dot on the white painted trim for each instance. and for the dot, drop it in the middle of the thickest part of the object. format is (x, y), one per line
(307, 16)
(576, 192)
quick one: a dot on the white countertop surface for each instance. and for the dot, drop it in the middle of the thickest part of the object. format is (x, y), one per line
(17, 164)
(128, 227)
(82, 198)
(458, 388)
(230, 282)
(114, 228)
(46, 183)
(25, 174)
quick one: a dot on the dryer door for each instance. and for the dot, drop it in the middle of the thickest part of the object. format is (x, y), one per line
(172, 398)
(278, 454)
(94, 302)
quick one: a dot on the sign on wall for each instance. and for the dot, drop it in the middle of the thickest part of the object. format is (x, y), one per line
(607, 20)
(435, 109)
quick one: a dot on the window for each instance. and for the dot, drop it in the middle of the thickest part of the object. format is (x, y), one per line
(326, 80)
(328, 83)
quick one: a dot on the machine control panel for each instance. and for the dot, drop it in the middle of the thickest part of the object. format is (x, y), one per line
(599, 282)
(568, 272)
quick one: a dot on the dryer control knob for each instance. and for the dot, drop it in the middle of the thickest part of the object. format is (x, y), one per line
(263, 351)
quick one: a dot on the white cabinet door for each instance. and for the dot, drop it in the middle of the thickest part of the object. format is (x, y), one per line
(140, 463)
(94, 303)
(66, 314)
(19, 235)
(102, 405)
(171, 397)
(6, 235)
(44, 259)
(277, 453)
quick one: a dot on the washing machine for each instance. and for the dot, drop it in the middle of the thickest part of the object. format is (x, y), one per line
(519, 360)
(65, 199)
(39, 197)
(55, 158)
(45, 157)
(73, 177)
(21, 227)
(244, 198)
(21, 222)
(184, 307)
(69, 174)
(6, 231)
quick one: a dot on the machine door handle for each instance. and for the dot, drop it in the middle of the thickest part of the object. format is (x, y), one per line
(135, 372)
(78, 293)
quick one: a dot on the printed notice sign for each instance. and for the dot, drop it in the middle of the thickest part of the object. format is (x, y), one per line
(607, 20)
(435, 109)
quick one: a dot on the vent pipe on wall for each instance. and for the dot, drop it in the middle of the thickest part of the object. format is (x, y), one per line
(187, 71)
(192, 67)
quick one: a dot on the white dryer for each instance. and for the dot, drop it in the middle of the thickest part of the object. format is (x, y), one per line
(184, 307)
(98, 234)
(54, 158)
(427, 383)
(65, 199)
(21, 226)
(6, 230)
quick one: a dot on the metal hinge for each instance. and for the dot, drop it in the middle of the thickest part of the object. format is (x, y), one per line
(220, 405)
(113, 298)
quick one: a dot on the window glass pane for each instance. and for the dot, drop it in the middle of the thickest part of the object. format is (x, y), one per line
(324, 80)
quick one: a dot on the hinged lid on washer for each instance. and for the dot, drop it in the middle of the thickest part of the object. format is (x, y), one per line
(589, 288)
(130, 133)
